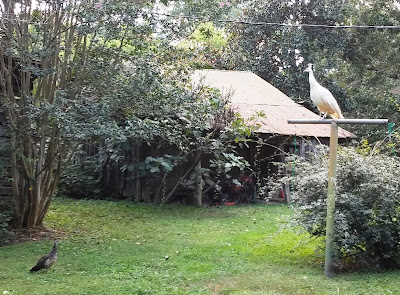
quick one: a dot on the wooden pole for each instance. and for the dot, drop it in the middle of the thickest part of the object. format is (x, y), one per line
(330, 210)
(198, 189)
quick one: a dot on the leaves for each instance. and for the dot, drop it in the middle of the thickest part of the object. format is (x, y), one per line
(367, 216)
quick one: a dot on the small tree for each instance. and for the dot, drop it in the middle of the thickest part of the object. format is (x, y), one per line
(58, 63)
(367, 216)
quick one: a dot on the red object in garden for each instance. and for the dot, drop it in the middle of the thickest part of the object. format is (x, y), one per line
(237, 188)
(248, 179)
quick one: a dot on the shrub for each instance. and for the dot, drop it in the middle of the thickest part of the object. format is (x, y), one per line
(5, 218)
(81, 180)
(367, 216)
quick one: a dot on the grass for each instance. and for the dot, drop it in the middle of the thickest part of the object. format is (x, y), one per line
(125, 248)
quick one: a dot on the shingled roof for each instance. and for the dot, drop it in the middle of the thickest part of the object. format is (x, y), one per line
(251, 94)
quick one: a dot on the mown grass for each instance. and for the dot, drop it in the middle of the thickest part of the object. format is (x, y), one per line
(125, 248)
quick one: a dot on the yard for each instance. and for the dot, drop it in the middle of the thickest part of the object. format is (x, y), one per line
(125, 248)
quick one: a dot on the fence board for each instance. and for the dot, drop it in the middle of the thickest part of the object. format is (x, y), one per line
(5, 191)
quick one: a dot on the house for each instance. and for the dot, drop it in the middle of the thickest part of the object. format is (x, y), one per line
(249, 95)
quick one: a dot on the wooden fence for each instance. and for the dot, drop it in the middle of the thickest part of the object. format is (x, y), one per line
(5, 163)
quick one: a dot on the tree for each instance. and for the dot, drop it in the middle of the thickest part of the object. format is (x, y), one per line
(357, 65)
(65, 53)
(368, 69)
(88, 71)
(204, 47)
(275, 52)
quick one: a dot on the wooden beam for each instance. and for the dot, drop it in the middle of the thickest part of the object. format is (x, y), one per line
(339, 121)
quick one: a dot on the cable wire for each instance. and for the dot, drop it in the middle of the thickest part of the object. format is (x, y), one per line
(252, 23)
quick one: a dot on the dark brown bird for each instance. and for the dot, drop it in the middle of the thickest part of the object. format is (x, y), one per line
(46, 261)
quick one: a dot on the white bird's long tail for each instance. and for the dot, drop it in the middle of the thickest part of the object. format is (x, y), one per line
(337, 115)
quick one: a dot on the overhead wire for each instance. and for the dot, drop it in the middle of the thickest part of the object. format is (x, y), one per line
(253, 23)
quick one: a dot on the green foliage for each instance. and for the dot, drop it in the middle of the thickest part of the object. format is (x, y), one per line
(276, 53)
(228, 161)
(368, 97)
(108, 72)
(364, 147)
(204, 47)
(166, 163)
(175, 118)
(74, 55)
(119, 77)
(367, 216)
(5, 231)
(81, 180)
(358, 66)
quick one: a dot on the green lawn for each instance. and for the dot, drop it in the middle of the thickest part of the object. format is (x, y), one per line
(122, 248)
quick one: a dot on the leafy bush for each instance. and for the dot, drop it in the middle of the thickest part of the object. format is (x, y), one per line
(81, 180)
(367, 216)
(5, 218)
(5, 201)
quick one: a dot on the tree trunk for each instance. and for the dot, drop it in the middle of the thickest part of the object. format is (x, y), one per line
(171, 193)
(36, 149)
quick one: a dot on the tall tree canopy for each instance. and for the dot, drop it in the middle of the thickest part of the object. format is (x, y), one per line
(358, 65)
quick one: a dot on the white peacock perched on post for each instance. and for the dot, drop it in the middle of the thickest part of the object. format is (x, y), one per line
(322, 97)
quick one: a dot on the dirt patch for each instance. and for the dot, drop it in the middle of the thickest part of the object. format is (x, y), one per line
(36, 234)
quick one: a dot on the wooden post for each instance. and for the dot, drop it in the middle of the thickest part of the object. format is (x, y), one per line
(302, 148)
(286, 185)
(330, 210)
(137, 156)
(198, 190)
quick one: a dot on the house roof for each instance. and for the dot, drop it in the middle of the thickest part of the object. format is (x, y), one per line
(251, 94)
(396, 90)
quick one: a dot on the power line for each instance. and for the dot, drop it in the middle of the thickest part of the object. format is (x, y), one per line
(251, 23)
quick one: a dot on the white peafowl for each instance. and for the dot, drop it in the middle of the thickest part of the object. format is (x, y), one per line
(46, 261)
(322, 97)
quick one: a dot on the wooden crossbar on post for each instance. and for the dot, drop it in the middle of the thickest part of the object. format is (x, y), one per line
(331, 195)
(339, 121)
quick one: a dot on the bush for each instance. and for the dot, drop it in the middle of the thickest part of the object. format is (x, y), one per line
(5, 218)
(81, 180)
(367, 216)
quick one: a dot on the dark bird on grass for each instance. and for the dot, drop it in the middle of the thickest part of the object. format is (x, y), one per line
(46, 261)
